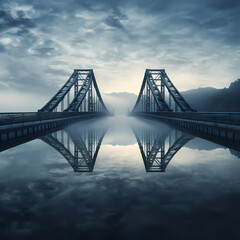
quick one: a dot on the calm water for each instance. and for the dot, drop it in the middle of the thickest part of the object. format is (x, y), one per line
(185, 188)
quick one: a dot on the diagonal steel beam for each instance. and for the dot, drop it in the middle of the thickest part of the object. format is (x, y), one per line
(58, 97)
(80, 95)
(177, 145)
(156, 93)
(178, 98)
(151, 77)
(54, 143)
(161, 103)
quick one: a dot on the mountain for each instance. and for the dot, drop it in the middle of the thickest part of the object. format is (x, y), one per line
(215, 100)
(201, 99)
(202, 144)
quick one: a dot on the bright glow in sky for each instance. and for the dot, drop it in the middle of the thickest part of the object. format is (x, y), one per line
(41, 42)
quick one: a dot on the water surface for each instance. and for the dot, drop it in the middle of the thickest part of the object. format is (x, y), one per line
(194, 196)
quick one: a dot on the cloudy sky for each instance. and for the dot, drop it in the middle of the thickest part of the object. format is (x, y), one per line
(42, 41)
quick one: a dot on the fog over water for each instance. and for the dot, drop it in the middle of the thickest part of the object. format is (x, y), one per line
(197, 197)
(118, 178)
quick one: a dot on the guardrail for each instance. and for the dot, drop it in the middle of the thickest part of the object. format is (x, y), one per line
(12, 118)
(17, 128)
(232, 118)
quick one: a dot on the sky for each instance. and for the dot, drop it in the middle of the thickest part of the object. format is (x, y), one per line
(42, 41)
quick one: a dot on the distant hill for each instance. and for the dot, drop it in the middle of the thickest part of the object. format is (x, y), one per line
(119, 102)
(215, 100)
(201, 99)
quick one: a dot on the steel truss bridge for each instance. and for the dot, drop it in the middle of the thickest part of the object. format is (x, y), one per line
(153, 94)
(159, 99)
(79, 94)
(158, 146)
(79, 146)
(78, 99)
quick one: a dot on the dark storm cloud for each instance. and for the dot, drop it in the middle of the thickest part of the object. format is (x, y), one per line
(47, 48)
(95, 5)
(109, 36)
(2, 49)
(224, 5)
(198, 18)
(113, 21)
(115, 18)
(57, 71)
(89, 5)
(215, 23)
(7, 21)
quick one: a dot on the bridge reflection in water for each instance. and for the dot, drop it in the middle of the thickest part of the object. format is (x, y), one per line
(158, 146)
(78, 146)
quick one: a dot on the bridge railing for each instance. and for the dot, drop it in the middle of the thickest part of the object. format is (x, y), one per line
(12, 118)
(232, 118)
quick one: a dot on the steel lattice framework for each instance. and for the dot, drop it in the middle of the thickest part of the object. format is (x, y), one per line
(79, 94)
(79, 147)
(152, 95)
(158, 147)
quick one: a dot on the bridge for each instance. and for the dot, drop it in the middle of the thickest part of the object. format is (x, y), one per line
(78, 99)
(159, 146)
(160, 100)
(79, 147)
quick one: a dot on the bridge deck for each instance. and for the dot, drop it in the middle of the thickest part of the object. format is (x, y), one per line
(222, 125)
(17, 128)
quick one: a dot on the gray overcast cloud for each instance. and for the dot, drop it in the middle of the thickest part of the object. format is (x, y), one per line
(41, 42)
